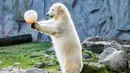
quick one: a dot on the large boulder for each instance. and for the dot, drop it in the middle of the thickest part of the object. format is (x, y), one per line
(127, 50)
(90, 41)
(117, 46)
(94, 44)
(116, 61)
(99, 46)
(105, 53)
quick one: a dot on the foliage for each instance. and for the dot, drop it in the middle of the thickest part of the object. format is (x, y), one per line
(92, 67)
(93, 56)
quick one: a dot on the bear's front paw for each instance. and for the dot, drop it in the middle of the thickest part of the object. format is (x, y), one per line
(35, 25)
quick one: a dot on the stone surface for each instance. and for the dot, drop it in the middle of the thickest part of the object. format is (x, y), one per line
(50, 50)
(117, 46)
(86, 56)
(91, 17)
(105, 53)
(12, 69)
(35, 70)
(40, 65)
(52, 64)
(94, 39)
(89, 43)
(94, 46)
(116, 61)
(89, 56)
(127, 50)
(93, 67)
(16, 64)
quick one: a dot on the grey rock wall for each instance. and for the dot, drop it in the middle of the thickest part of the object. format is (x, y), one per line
(91, 17)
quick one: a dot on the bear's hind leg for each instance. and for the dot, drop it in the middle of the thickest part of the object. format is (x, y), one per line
(72, 66)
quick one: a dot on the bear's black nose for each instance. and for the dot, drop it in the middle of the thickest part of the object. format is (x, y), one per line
(47, 14)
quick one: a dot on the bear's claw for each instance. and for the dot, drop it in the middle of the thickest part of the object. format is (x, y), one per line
(33, 25)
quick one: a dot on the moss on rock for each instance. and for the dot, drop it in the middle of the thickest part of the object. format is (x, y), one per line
(93, 56)
(93, 67)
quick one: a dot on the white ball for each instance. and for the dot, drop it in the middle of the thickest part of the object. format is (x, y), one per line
(30, 16)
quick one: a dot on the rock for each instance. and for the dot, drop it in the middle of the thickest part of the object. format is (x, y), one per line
(105, 53)
(92, 67)
(15, 70)
(99, 46)
(4, 72)
(94, 39)
(50, 51)
(92, 57)
(51, 57)
(52, 64)
(35, 70)
(12, 69)
(59, 72)
(34, 56)
(96, 47)
(127, 50)
(116, 61)
(103, 43)
(46, 56)
(125, 42)
(117, 46)
(21, 70)
(90, 41)
(124, 29)
(16, 64)
(86, 56)
(40, 65)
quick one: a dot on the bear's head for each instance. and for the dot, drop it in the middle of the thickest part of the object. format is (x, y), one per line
(58, 10)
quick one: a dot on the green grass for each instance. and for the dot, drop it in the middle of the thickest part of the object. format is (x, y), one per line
(22, 54)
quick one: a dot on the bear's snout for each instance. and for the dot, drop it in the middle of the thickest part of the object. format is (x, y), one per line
(49, 15)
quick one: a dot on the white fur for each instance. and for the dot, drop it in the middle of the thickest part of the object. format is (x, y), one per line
(64, 38)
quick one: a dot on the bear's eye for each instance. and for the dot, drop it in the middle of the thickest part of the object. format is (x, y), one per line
(52, 9)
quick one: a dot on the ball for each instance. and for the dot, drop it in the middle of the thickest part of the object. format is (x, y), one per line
(30, 16)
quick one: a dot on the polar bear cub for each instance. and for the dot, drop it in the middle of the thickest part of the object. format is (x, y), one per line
(60, 28)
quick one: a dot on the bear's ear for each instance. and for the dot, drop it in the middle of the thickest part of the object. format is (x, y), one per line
(59, 7)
